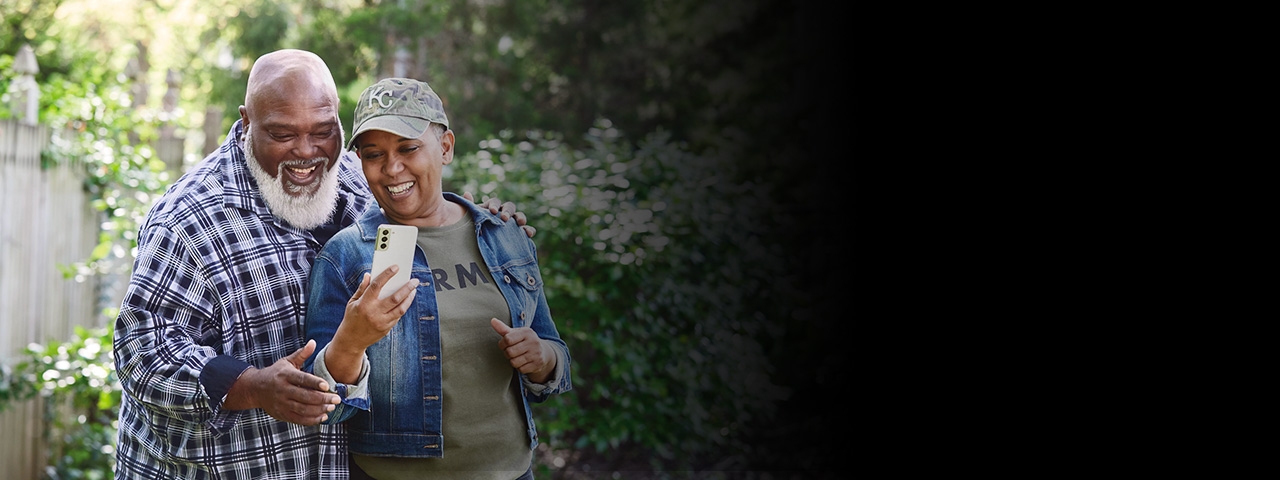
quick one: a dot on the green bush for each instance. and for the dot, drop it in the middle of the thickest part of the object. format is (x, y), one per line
(657, 283)
(77, 382)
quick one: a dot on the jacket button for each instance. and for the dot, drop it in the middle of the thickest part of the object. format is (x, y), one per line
(531, 280)
(506, 278)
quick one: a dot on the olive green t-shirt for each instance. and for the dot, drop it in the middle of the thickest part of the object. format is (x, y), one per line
(484, 426)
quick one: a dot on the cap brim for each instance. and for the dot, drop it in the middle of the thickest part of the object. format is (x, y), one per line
(406, 127)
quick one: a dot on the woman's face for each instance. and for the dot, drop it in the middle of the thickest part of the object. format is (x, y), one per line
(404, 173)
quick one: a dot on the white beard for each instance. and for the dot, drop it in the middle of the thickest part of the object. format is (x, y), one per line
(302, 211)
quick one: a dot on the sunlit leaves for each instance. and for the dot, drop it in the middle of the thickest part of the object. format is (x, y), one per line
(77, 381)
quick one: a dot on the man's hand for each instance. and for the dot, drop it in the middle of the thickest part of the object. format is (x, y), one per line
(284, 391)
(366, 320)
(505, 211)
(526, 351)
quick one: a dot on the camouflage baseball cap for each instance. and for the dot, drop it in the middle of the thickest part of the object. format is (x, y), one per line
(403, 106)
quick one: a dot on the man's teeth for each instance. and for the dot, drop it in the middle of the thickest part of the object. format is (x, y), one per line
(302, 171)
(399, 188)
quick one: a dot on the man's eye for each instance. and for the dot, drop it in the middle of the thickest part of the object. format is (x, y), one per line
(281, 137)
(324, 134)
(409, 149)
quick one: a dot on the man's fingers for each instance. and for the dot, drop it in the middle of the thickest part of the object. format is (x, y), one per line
(528, 230)
(492, 204)
(520, 220)
(306, 412)
(507, 210)
(299, 357)
(308, 384)
(298, 397)
(315, 400)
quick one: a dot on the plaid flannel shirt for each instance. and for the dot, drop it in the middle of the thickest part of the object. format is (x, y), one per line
(219, 285)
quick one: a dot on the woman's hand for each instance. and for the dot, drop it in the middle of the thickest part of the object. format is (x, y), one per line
(366, 320)
(527, 353)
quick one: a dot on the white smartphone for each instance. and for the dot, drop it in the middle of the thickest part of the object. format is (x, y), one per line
(393, 246)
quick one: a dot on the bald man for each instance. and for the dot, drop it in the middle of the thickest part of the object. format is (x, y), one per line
(208, 343)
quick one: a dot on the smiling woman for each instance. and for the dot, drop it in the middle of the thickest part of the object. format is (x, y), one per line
(405, 175)
(468, 353)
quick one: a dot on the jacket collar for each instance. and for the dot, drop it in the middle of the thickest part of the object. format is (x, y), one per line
(368, 223)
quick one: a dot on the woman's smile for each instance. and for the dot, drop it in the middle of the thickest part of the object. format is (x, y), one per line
(400, 189)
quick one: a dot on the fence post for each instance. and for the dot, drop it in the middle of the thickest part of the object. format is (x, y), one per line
(170, 146)
(22, 451)
(24, 92)
(46, 222)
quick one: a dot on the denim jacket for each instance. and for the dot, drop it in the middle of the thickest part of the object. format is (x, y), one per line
(408, 407)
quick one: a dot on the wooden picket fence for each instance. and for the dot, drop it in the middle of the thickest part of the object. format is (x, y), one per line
(46, 222)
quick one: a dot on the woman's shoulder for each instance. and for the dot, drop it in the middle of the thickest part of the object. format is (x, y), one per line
(345, 246)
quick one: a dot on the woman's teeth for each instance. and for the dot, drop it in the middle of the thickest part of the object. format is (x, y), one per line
(395, 189)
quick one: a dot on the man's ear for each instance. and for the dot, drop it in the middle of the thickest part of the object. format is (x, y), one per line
(244, 118)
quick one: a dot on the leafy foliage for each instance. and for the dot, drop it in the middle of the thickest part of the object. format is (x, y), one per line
(111, 140)
(659, 293)
(666, 258)
(77, 382)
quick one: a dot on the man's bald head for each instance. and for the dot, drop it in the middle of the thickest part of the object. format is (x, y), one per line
(280, 71)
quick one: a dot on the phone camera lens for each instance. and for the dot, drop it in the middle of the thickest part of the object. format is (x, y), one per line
(384, 232)
(384, 246)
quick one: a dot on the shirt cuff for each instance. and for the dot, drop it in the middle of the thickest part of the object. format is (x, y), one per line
(356, 395)
(218, 374)
(556, 376)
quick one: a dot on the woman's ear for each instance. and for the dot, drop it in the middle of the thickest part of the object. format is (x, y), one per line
(446, 146)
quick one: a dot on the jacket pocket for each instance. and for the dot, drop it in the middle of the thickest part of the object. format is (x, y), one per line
(526, 282)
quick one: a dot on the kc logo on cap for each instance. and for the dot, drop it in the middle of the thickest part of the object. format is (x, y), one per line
(378, 94)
